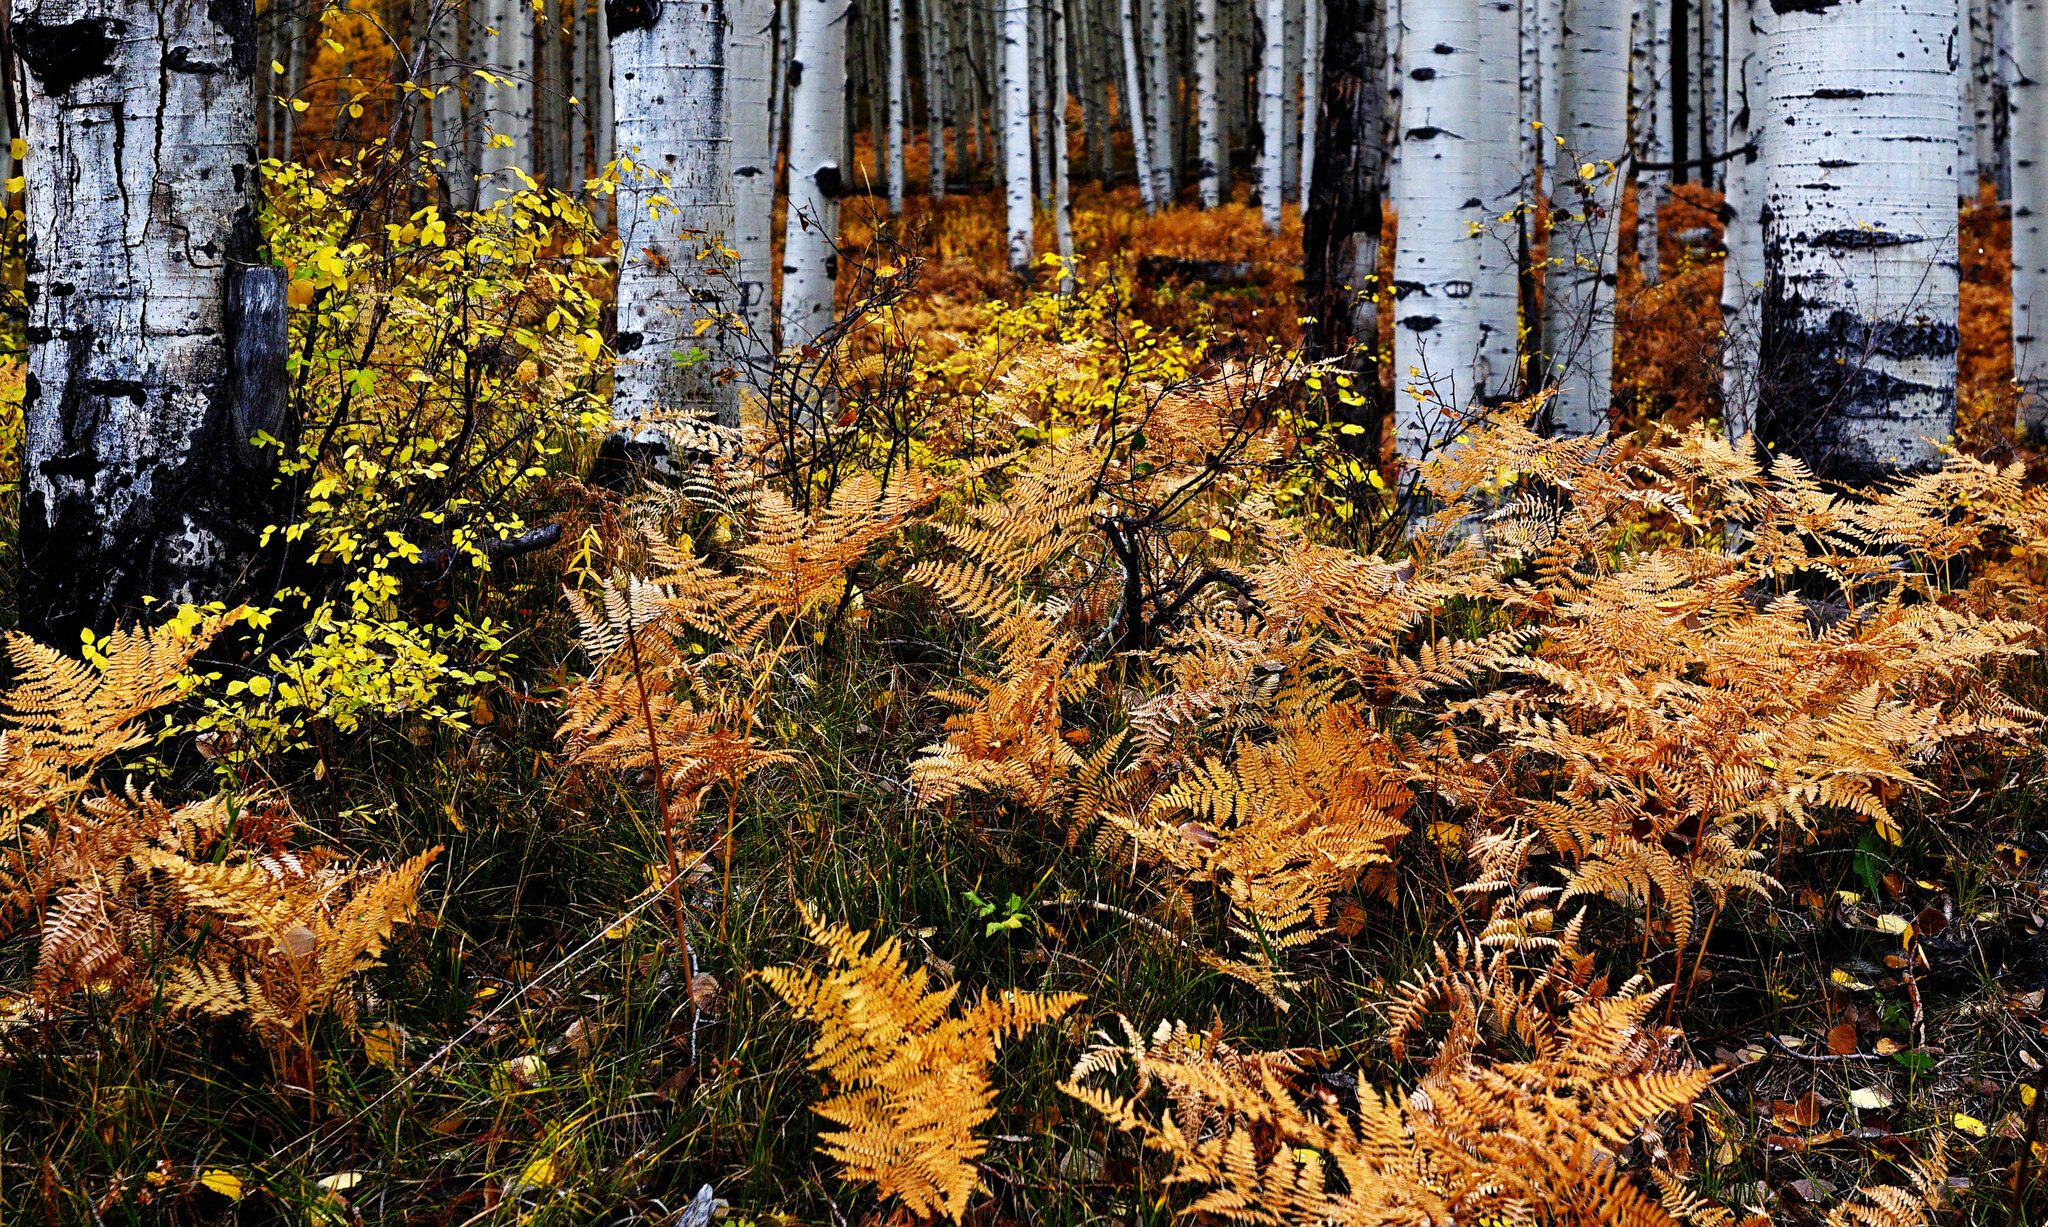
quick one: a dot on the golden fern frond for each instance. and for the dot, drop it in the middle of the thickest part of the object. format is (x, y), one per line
(912, 1078)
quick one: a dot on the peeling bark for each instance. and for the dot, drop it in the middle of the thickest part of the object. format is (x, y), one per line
(1341, 225)
(817, 106)
(1578, 305)
(2028, 98)
(139, 476)
(1437, 336)
(1859, 312)
(675, 203)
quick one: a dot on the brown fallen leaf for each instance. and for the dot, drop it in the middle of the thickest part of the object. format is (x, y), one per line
(1842, 1039)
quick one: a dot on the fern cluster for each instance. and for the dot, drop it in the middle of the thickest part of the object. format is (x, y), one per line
(206, 905)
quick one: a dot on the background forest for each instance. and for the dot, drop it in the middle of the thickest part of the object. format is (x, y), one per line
(774, 612)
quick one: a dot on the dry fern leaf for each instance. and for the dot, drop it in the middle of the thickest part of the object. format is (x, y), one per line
(911, 1077)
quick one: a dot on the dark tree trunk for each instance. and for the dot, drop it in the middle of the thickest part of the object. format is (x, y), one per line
(139, 477)
(1341, 224)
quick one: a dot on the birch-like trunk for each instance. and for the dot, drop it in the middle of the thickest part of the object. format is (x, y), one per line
(932, 37)
(1585, 204)
(675, 299)
(2028, 98)
(505, 159)
(750, 115)
(1311, 91)
(1650, 59)
(817, 123)
(447, 126)
(1160, 107)
(1861, 277)
(1060, 72)
(1340, 227)
(1290, 90)
(1134, 104)
(899, 105)
(1549, 22)
(1272, 108)
(1743, 272)
(140, 479)
(1502, 187)
(1209, 165)
(1016, 70)
(1436, 253)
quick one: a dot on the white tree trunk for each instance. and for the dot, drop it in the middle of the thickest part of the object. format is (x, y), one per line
(932, 32)
(1550, 87)
(1437, 331)
(1134, 104)
(817, 128)
(506, 158)
(899, 103)
(1502, 187)
(446, 126)
(1209, 171)
(1272, 112)
(750, 124)
(139, 477)
(2028, 98)
(1743, 272)
(675, 206)
(1650, 82)
(1160, 107)
(1016, 72)
(1311, 91)
(1578, 308)
(1859, 173)
(1062, 208)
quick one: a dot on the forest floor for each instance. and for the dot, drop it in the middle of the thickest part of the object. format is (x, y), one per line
(1261, 809)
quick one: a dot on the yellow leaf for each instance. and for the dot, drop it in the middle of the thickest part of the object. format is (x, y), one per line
(1221, 534)
(227, 1184)
(382, 1045)
(540, 1174)
(618, 931)
(1971, 1125)
(18, 148)
(341, 1182)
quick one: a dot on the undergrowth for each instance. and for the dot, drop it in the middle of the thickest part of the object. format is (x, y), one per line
(1060, 782)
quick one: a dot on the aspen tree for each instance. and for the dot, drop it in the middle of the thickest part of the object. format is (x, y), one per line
(1311, 91)
(817, 126)
(1134, 104)
(1016, 73)
(1340, 228)
(1160, 108)
(1502, 180)
(148, 319)
(2028, 98)
(675, 213)
(750, 123)
(1859, 235)
(1585, 203)
(1742, 273)
(899, 103)
(1062, 206)
(1272, 105)
(1209, 166)
(1436, 253)
(1650, 59)
(932, 40)
(447, 126)
(505, 158)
